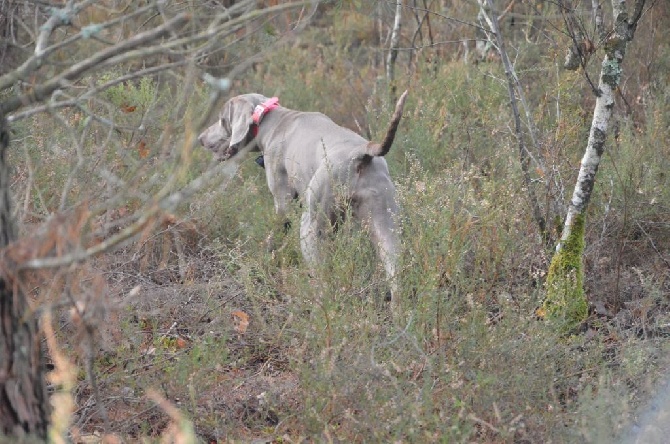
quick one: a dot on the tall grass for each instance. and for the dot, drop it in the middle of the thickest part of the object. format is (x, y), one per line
(467, 359)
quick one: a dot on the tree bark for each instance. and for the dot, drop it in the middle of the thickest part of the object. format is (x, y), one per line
(393, 49)
(565, 302)
(610, 76)
(24, 404)
(23, 399)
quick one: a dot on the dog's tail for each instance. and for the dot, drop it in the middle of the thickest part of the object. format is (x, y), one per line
(381, 149)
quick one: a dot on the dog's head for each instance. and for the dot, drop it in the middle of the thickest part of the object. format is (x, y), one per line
(232, 130)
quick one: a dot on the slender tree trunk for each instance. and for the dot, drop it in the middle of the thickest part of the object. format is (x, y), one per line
(393, 49)
(23, 399)
(610, 76)
(514, 89)
(565, 295)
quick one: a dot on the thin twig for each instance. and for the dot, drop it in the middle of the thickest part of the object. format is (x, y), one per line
(653, 245)
(513, 91)
(94, 91)
(123, 48)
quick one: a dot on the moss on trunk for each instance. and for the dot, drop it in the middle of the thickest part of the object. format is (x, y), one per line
(565, 303)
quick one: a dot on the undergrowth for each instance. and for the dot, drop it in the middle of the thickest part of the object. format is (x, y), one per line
(218, 313)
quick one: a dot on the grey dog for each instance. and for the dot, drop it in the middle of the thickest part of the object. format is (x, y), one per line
(308, 156)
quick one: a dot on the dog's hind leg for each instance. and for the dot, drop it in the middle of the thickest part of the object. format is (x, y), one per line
(386, 240)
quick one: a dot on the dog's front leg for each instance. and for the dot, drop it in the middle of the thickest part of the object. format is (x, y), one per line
(281, 225)
(281, 211)
(282, 193)
(309, 239)
(314, 223)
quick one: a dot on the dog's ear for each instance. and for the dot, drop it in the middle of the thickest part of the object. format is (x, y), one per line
(239, 115)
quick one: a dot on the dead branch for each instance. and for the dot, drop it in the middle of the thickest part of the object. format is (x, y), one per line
(41, 92)
(514, 89)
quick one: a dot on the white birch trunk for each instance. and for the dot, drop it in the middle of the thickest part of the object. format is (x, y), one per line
(610, 76)
(565, 302)
(395, 39)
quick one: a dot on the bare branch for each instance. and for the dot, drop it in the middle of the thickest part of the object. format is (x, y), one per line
(58, 18)
(167, 204)
(448, 18)
(582, 47)
(514, 89)
(246, 64)
(93, 92)
(638, 9)
(597, 10)
(163, 201)
(42, 91)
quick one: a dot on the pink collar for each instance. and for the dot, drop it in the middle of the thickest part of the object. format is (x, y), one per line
(262, 110)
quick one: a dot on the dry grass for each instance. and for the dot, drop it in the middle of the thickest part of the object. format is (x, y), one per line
(196, 329)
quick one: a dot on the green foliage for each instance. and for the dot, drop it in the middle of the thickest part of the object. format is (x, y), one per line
(466, 360)
(67, 154)
(451, 117)
(565, 304)
(141, 93)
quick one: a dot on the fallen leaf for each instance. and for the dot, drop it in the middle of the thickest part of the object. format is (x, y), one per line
(142, 149)
(243, 321)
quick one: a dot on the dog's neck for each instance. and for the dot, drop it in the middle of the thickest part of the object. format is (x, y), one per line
(261, 110)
